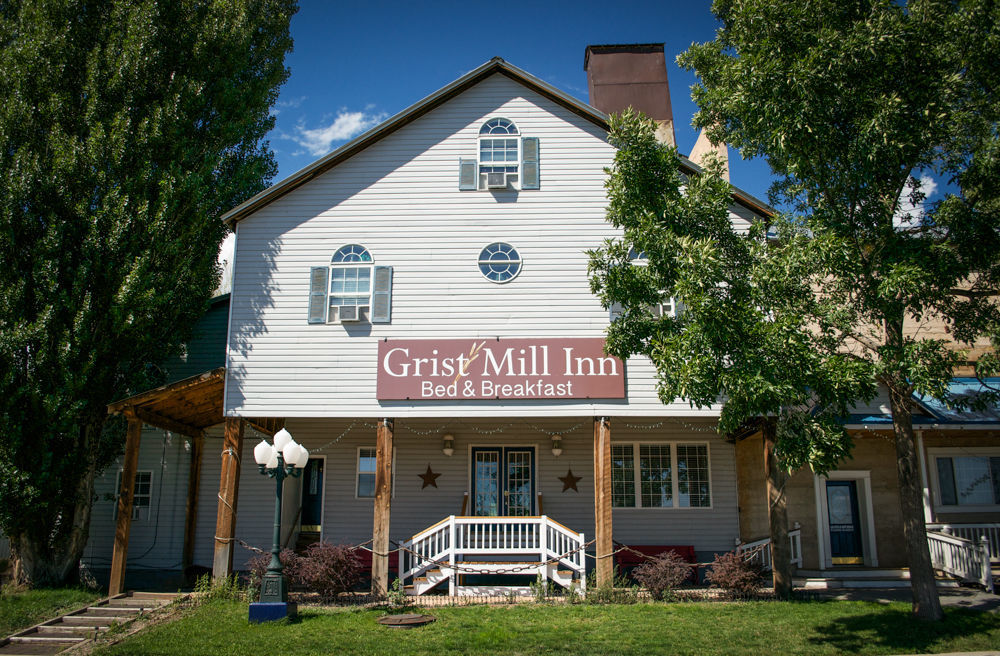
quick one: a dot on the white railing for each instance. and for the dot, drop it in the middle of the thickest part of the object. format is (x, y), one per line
(973, 533)
(759, 551)
(968, 560)
(447, 544)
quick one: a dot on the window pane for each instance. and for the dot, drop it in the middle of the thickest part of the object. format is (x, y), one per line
(366, 460)
(995, 471)
(693, 476)
(655, 476)
(366, 485)
(946, 479)
(622, 476)
(972, 481)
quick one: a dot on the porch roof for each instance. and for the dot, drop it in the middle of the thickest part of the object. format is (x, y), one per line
(187, 406)
(935, 412)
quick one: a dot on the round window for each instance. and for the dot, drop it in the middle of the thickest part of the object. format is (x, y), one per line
(499, 262)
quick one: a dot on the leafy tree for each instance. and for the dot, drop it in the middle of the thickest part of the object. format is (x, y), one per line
(741, 339)
(126, 129)
(850, 102)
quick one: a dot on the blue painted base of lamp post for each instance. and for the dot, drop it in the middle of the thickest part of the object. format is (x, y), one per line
(262, 611)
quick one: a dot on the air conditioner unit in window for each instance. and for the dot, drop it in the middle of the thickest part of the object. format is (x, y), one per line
(348, 313)
(496, 180)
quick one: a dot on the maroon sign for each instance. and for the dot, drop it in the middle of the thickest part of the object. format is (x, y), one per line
(442, 369)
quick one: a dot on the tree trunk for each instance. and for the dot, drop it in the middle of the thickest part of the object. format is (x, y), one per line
(777, 515)
(926, 604)
(51, 556)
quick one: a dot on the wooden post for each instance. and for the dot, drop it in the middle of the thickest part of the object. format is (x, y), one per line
(124, 523)
(229, 486)
(777, 514)
(604, 546)
(383, 500)
(191, 511)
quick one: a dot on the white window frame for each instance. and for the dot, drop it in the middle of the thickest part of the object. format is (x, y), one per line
(364, 308)
(960, 452)
(674, 477)
(666, 308)
(136, 515)
(480, 262)
(358, 472)
(516, 165)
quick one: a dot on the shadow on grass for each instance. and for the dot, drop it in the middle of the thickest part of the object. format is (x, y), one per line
(900, 631)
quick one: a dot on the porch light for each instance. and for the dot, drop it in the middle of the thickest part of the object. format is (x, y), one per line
(557, 445)
(449, 445)
(285, 458)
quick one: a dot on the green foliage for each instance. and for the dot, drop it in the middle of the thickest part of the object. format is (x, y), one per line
(126, 129)
(397, 594)
(851, 103)
(21, 608)
(621, 590)
(741, 326)
(226, 589)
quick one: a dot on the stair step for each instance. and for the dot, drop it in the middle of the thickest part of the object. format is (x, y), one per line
(47, 640)
(59, 629)
(86, 620)
(29, 649)
(114, 611)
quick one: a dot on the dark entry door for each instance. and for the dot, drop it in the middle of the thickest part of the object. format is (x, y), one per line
(845, 525)
(312, 496)
(503, 481)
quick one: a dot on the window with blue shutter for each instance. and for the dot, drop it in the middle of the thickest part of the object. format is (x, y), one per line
(468, 178)
(529, 163)
(317, 294)
(382, 295)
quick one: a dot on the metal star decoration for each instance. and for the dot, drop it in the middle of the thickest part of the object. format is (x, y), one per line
(569, 481)
(429, 478)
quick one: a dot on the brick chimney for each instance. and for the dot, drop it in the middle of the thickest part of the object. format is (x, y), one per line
(634, 75)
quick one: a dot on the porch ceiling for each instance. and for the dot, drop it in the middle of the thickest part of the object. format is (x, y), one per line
(187, 406)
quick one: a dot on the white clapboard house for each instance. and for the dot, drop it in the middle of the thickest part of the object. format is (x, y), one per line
(414, 308)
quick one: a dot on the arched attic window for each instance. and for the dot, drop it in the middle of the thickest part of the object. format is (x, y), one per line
(505, 158)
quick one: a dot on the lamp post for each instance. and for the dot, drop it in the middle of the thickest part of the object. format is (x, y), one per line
(285, 458)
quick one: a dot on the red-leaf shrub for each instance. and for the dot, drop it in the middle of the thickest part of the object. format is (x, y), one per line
(739, 578)
(328, 569)
(662, 574)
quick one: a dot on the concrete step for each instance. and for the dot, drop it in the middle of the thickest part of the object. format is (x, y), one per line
(825, 583)
(33, 638)
(123, 612)
(73, 630)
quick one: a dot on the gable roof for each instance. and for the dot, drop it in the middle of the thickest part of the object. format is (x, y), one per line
(421, 107)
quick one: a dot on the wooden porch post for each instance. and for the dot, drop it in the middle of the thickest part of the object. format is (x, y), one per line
(604, 546)
(191, 511)
(383, 499)
(229, 486)
(124, 523)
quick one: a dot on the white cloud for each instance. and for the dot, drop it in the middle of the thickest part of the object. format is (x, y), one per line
(909, 213)
(319, 141)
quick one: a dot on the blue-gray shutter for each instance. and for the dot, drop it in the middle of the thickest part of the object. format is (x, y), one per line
(382, 295)
(530, 178)
(318, 279)
(468, 174)
(678, 307)
(615, 311)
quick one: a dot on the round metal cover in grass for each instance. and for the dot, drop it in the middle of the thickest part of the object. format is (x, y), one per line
(406, 621)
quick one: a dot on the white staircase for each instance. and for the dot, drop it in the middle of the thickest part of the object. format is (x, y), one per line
(498, 546)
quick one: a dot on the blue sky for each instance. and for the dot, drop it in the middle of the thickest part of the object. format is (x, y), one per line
(356, 63)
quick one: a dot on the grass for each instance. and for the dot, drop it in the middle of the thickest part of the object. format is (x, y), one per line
(812, 627)
(21, 609)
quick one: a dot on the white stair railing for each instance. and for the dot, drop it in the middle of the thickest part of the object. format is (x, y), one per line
(973, 533)
(759, 551)
(447, 544)
(966, 559)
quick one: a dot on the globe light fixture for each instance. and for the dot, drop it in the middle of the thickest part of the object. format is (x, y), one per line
(557, 445)
(449, 445)
(278, 461)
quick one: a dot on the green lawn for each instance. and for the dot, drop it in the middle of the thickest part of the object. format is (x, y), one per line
(830, 627)
(20, 610)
